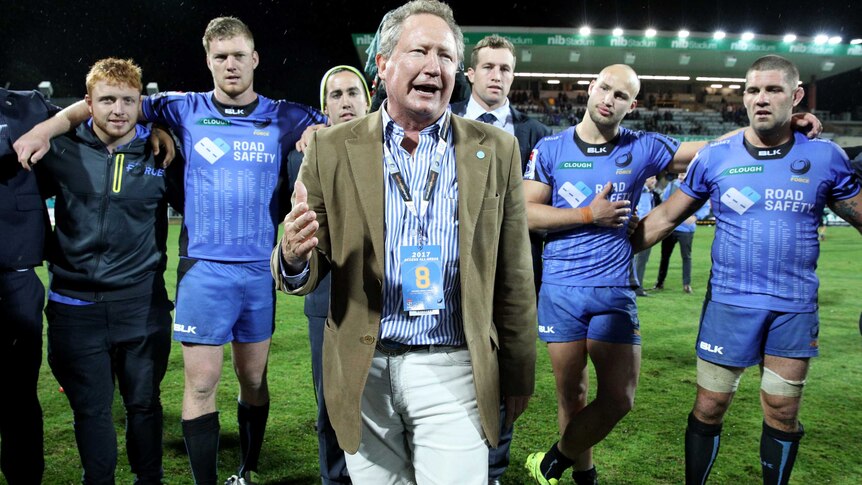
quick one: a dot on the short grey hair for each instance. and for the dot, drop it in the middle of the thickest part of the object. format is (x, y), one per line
(777, 63)
(393, 24)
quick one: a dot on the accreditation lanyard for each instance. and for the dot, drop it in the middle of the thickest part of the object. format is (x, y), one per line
(432, 177)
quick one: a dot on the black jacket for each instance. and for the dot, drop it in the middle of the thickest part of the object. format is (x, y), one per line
(23, 220)
(110, 215)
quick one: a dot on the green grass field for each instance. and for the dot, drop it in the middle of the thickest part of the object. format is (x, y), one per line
(645, 448)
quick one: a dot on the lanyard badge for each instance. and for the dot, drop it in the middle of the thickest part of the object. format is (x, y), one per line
(422, 280)
(421, 265)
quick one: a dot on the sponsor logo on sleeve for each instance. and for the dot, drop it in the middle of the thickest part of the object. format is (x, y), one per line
(530, 172)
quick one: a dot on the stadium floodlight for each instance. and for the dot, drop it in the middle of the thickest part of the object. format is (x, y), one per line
(856, 42)
(747, 36)
(630, 58)
(567, 75)
(834, 40)
(618, 32)
(664, 78)
(720, 79)
(584, 82)
(719, 34)
(790, 38)
(574, 56)
(585, 30)
(821, 39)
(46, 88)
(684, 59)
(650, 32)
(553, 81)
(716, 86)
(152, 88)
(827, 66)
(683, 34)
(734, 86)
(729, 61)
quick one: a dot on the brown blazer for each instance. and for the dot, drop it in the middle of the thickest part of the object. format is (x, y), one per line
(343, 172)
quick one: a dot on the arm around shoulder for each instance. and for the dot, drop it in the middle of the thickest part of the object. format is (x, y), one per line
(34, 144)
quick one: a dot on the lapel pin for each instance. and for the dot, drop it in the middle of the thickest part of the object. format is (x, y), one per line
(480, 154)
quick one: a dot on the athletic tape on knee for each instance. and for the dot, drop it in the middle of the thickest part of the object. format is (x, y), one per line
(774, 384)
(717, 378)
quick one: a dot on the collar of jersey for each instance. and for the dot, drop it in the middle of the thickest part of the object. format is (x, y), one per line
(769, 153)
(247, 109)
(584, 146)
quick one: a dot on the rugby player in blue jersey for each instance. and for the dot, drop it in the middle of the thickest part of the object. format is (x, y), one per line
(235, 145)
(578, 186)
(768, 187)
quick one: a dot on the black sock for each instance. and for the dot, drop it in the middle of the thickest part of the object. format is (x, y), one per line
(585, 477)
(201, 436)
(701, 447)
(252, 425)
(554, 463)
(778, 453)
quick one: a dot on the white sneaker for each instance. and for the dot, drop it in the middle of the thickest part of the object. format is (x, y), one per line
(245, 479)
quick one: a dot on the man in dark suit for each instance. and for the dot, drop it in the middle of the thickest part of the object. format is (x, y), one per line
(344, 96)
(22, 295)
(413, 384)
(491, 71)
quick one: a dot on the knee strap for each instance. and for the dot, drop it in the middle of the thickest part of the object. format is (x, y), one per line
(774, 384)
(718, 378)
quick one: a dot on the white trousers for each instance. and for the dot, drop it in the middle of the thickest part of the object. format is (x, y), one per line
(420, 422)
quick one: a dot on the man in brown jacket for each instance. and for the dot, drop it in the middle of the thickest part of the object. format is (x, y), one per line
(420, 217)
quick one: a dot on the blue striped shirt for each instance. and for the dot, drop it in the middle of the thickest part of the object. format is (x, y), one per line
(402, 229)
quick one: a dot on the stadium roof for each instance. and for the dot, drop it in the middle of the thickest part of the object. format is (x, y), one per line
(567, 53)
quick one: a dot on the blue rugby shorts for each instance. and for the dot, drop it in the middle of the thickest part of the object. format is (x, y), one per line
(222, 302)
(572, 313)
(739, 337)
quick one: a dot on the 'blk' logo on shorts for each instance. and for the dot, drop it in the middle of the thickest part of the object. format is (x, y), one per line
(178, 327)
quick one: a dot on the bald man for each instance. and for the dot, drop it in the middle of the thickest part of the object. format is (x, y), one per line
(578, 186)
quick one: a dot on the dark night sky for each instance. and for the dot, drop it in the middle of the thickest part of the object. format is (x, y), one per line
(298, 40)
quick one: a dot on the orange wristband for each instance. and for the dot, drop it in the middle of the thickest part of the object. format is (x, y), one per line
(586, 215)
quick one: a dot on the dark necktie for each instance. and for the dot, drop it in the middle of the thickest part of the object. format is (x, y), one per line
(487, 118)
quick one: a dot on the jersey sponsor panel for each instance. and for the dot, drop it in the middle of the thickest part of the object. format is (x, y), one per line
(768, 204)
(233, 162)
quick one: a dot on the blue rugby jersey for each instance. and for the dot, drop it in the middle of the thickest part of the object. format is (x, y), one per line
(234, 157)
(576, 171)
(768, 203)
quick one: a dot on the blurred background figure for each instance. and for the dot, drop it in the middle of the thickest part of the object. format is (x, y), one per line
(684, 235)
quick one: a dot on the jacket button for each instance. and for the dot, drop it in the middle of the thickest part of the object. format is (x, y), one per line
(367, 339)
